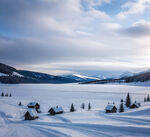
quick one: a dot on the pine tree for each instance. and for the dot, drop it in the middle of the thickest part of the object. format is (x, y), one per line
(89, 106)
(10, 94)
(82, 105)
(145, 99)
(148, 98)
(72, 108)
(113, 102)
(121, 108)
(2, 94)
(128, 100)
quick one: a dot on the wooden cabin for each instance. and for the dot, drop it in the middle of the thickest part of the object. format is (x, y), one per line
(135, 105)
(111, 108)
(55, 110)
(34, 105)
(31, 114)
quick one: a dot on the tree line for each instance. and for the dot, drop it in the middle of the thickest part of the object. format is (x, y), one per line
(6, 94)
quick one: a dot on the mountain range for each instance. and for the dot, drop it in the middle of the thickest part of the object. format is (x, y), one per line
(12, 75)
(125, 78)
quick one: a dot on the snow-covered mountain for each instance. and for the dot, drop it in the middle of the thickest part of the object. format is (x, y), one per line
(81, 78)
(126, 74)
(11, 75)
(100, 77)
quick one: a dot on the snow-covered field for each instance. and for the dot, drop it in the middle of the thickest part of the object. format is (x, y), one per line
(82, 123)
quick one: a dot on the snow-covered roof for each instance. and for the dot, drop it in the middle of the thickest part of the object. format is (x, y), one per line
(110, 107)
(137, 104)
(32, 104)
(57, 109)
(32, 112)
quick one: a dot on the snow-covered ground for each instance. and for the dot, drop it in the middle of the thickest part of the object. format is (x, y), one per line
(83, 123)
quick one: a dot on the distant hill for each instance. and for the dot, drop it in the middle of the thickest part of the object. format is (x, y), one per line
(11, 75)
(126, 78)
(126, 74)
(141, 77)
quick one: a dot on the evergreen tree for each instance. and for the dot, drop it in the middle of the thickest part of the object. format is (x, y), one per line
(148, 98)
(121, 108)
(20, 103)
(113, 102)
(89, 106)
(10, 94)
(83, 106)
(2, 94)
(72, 108)
(145, 99)
(128, 100)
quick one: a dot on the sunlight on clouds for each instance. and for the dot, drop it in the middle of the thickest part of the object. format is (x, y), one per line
(93, 3)
(76, 67)
(133, 7)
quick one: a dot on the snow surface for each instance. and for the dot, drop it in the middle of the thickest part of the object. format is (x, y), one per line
(83, 123)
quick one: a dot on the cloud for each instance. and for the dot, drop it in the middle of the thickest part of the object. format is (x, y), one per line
(138, 29)
(46, 14)
(48, 32)
(133, 7)
(92, 3)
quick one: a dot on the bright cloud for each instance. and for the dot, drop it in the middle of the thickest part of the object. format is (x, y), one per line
(134, 7)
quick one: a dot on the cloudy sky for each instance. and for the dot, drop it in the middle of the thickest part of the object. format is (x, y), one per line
(76, 36)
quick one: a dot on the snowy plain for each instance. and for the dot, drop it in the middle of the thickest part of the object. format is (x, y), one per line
(83, 123)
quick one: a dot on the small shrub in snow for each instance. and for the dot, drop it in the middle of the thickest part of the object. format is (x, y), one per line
(72, 109)
(20, 103)
(82, 105)
(128, 100)
(135, 101)
(6, 94)
(89, 106)
(139, 104)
